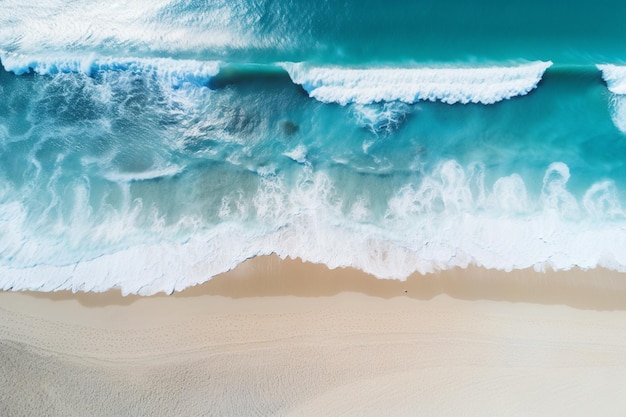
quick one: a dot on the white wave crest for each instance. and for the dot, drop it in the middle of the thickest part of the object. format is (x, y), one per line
(485, 85)
(176, 72)
(614, 76)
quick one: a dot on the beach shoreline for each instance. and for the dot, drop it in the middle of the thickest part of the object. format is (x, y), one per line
(272, 276)
(286, 337)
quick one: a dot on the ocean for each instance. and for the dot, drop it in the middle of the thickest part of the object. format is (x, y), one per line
(151, 145)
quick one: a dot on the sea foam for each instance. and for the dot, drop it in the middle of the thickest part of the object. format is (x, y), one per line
(448, 219)
(177, 72)
(485, 85)
(615, 78)
(148, 26)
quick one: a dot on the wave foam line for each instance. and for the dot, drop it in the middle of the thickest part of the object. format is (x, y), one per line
(178, 72)
(485, 85)
(615, 77)
(450, 219)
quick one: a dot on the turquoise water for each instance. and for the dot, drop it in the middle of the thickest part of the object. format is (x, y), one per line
(150, 146)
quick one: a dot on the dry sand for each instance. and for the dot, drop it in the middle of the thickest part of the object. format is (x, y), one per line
(291, 339)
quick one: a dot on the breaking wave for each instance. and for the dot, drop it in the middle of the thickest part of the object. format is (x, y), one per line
(484, 85)
(178, 72)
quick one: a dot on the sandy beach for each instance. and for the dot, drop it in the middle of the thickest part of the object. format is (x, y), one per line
(286, 338)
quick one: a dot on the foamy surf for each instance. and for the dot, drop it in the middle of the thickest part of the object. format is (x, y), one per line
(151, 146)
(124, 182)
(449, 219)
(484, 85)
(177, 72)
(615, 78)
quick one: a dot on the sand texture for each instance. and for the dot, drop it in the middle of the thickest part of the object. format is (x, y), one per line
(291, 339)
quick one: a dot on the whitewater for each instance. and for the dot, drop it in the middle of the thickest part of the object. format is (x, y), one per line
(152, 147)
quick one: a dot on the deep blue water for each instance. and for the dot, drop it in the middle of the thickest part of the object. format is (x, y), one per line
(150, 146)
